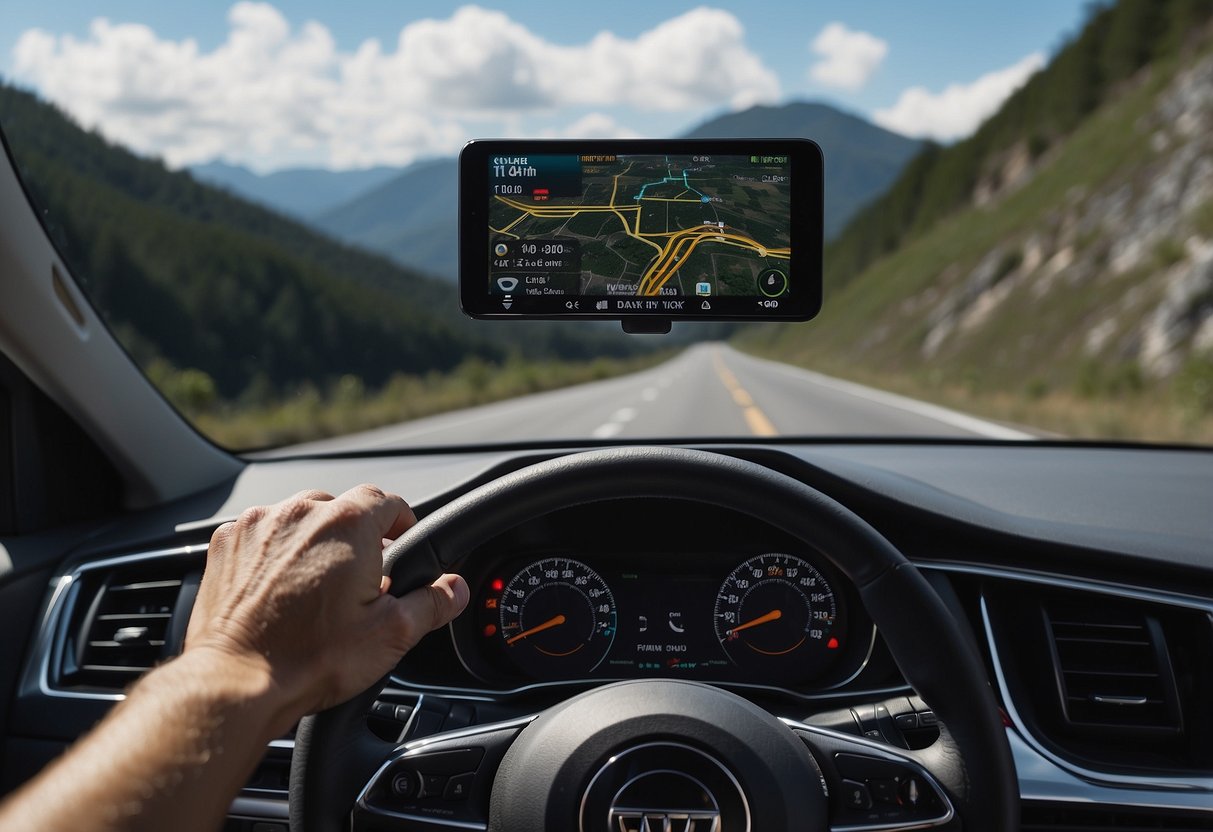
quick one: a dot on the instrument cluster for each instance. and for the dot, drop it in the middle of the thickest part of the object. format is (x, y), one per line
(767, 618)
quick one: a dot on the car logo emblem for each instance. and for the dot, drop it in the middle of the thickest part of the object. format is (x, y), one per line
(624, 820)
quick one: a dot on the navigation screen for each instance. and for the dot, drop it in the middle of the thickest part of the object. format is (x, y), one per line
(680, 234)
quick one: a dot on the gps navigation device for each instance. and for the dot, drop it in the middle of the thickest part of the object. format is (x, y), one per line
(642, 230)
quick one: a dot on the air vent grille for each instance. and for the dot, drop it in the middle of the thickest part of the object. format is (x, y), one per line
(1112, 666)
(126, 625)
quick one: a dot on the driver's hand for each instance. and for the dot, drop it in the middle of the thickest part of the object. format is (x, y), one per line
(296, 589)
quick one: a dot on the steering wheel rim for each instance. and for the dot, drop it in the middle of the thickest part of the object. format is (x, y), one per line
(335, 754)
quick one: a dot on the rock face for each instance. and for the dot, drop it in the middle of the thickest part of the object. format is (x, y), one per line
(1152, 228)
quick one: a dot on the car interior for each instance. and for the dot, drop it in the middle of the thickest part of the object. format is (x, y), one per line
(689, 633)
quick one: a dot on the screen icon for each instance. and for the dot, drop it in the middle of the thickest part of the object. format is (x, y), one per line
(703, 288)
(507, 284)
(772, 282)
(501, 249)
(602, 305)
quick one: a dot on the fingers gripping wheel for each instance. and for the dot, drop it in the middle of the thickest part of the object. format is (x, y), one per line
(336, 756)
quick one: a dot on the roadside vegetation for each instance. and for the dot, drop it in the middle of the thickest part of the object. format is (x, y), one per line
(346, 406)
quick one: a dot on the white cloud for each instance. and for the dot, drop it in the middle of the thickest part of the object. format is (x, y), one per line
(959, 108)
(594, 126)
(848, 57)
(272, 91)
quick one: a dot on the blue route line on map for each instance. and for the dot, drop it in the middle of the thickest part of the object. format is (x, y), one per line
(670, 178)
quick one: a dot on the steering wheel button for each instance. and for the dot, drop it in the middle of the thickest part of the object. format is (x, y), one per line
(433, 785)
(884, 791)
(455, 761)
(404, 785)
(458, 787)
(855, 795)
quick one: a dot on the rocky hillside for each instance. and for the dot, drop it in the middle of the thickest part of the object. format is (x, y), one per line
(1146, 227)
(1073, 293)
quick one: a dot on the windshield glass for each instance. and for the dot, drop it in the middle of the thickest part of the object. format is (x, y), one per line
(262, 204)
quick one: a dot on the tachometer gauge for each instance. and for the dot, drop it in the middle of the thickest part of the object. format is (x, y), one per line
(557, 616)
(777, 611)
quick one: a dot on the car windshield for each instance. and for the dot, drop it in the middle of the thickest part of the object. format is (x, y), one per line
(262, 203)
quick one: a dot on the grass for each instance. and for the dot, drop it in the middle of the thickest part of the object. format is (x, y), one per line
(346, 406)
(1120, 406)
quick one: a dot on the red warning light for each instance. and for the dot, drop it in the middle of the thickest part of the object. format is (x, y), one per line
(497, 585)
(490, 630)
(832, 644)
(540, 194)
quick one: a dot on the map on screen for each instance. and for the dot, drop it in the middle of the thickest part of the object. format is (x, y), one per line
(695, 225)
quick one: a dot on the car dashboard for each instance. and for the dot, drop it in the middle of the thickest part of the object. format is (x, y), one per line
(1083, 574)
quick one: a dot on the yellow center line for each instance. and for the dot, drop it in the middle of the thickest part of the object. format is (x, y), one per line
(755, 419)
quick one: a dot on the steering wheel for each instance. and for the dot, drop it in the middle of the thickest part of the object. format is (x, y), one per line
(664, 754)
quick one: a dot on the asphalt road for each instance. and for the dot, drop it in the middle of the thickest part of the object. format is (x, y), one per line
(708, 391)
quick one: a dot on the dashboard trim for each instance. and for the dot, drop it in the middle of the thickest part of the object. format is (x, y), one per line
(1044, 776)
(1195, 785)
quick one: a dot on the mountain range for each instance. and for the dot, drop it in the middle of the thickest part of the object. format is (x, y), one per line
(411, 215)
(301, 193)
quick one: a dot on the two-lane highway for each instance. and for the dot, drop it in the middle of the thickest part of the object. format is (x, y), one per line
(708, 391)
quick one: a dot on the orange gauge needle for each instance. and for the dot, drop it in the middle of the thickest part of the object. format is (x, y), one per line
(554, 621)
(773, 615)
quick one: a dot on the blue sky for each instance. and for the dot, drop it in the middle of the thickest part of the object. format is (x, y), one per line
(285, 83)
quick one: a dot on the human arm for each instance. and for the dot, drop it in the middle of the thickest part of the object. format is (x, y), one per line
(291, 617)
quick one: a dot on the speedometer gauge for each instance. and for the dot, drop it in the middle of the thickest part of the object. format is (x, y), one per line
(777, 611)
(557, 617)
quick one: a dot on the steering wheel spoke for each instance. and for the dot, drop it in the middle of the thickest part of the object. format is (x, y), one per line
(872, 786)
(440, 782)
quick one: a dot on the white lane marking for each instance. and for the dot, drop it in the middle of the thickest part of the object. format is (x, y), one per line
(930, 411)
(624, 414)
(606, 431)
(648, 394)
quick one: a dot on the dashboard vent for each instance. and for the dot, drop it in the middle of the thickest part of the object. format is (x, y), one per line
(1112, 666)
(127, 620)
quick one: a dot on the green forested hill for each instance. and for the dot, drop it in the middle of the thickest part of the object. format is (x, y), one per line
(261, 329)
(191, 275)
(1118, 40)
(1056, 269)
(203, 280)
